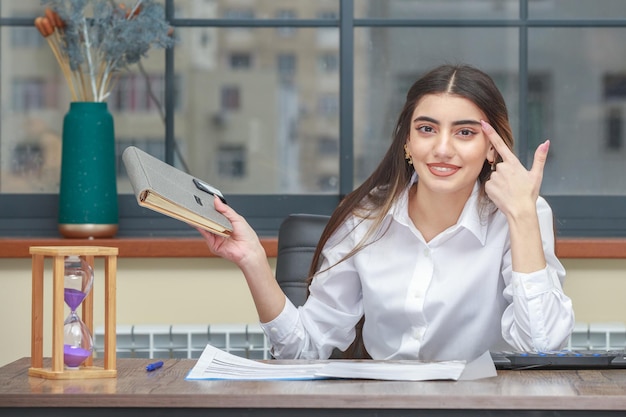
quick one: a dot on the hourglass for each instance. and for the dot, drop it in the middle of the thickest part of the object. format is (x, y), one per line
(72, 343)
(77, 338)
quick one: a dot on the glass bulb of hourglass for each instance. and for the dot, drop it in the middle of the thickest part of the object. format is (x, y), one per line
(77, 339)
(78, 281)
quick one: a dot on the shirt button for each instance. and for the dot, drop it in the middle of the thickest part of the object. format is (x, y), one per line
(427, 252)
(417, 334)
(274, 330)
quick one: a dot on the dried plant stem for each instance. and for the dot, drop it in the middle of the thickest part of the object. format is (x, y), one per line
(103, 75)
(92, 76)
(83, 84)
(92, 50)
(109, 83)
(134, 9)
(67, 73)
(75, 79)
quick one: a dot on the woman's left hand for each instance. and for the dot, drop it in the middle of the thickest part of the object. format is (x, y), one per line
(512, 187)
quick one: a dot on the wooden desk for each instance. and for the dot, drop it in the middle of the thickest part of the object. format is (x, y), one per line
(165, 392)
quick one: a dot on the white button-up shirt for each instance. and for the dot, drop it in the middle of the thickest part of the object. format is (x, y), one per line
(454, 297)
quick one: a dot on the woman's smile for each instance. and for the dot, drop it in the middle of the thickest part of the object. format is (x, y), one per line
(442, 170)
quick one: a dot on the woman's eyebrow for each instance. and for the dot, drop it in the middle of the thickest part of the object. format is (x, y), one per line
(425, 119)
(455, 123)
(466, 122)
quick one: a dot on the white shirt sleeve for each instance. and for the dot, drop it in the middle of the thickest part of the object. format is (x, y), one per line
(539, 316)
(328, 317)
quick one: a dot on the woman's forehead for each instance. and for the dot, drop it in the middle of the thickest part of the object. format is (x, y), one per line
(445, 107)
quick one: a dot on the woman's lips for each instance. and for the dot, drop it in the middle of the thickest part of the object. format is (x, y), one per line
(442, 170)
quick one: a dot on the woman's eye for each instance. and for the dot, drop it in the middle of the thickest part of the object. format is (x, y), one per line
(425, 129)
(466, 132)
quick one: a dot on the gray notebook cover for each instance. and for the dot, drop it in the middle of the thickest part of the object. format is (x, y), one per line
(172, 192)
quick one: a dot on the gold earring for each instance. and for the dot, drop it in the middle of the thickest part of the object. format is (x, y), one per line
(407, 155)
(493, 165)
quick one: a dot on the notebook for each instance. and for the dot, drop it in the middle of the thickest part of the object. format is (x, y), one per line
(174, 193)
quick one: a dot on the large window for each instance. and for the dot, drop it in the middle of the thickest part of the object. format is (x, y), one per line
(288, 108)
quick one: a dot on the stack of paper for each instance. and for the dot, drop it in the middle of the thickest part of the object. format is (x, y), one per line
(217, 364)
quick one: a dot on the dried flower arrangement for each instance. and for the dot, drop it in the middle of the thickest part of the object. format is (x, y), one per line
(93, 40)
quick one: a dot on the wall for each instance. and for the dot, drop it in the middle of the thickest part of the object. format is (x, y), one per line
(197, 290)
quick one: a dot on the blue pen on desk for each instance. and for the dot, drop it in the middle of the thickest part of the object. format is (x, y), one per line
(154, 366)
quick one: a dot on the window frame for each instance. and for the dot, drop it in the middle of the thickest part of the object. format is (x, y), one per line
(575, 215)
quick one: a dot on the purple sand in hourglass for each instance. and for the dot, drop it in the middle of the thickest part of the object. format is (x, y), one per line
(74, 356)
(73, 298)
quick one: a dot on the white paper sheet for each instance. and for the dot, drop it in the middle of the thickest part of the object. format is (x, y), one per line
(217, 364)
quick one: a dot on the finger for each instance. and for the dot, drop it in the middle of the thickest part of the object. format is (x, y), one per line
(496, 141)
(204, 233)
(226, 210)
(541, 155)
(209, 237)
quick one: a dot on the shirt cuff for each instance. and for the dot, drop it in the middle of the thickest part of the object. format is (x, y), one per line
(283, 325)
(529, 285)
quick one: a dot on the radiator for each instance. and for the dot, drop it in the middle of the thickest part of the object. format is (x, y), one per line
(249, 341)
(185, 340)
(598, 336)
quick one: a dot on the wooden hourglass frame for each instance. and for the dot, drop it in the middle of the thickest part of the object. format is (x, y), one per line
(57, 370)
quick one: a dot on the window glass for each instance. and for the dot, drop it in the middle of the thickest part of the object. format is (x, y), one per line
(286, 14)
(35, 98)
(30, 94)
(255, 110)
(576, 9)
(258, 9)
(32, 101)
(582, 96)
(255, 130)
(137, 104)
(328, 62)
(23, 8)
(391, 59)
(437, 9)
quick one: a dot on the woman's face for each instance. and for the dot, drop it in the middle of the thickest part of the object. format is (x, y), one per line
(447, 144)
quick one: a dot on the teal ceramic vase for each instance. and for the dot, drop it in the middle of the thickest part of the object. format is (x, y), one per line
(88, 205)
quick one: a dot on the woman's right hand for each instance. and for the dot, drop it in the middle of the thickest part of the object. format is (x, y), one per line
(244, 248)
(241, 246)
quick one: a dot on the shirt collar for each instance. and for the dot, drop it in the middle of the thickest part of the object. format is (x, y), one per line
(470, 218)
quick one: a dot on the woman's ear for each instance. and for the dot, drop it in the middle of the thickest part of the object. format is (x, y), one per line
(491, 154)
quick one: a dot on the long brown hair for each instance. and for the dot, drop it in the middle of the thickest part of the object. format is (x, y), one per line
(373, 198)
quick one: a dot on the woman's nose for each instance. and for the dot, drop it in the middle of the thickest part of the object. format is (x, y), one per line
(443, 146)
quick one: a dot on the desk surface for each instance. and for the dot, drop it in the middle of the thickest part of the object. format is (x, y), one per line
(137, 391)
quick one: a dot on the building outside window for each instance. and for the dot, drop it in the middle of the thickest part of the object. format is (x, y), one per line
(232, 161)
(244, 97)
(240, 60)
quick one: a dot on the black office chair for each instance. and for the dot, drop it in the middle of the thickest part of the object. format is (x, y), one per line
(297, 239)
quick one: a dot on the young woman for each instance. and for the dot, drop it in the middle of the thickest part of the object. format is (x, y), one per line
(444, 252)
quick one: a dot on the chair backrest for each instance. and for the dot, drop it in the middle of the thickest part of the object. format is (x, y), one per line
(297, 239)
(298, 236)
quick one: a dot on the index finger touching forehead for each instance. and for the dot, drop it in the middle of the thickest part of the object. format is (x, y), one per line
(495, 139)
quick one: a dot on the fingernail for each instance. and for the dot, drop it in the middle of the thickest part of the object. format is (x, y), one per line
(484, 124)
